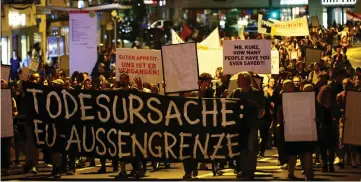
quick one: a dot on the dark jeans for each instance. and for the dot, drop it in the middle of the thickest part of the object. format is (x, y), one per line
(5, 153)
(114, 163)
(264, 131)
(189, 165)
(280, 141)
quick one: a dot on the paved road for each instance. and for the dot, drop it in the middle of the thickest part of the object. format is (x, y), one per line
(266, 170)
(354, 55)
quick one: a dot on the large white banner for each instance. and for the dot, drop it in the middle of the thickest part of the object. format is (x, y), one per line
(299, 112)
(275, 59)
(82, 41)
(352, 126)
(180, 67)
(7, 128)
(210, 60)
(143, 63)
(296, 27)
(247, 55)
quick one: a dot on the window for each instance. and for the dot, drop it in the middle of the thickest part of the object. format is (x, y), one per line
(324, 18)
(5, 51)
(24, 46)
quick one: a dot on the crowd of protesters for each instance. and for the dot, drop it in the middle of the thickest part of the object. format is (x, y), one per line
(328, 77)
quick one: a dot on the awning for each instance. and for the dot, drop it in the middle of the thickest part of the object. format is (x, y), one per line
(353, 16)
(93, 8)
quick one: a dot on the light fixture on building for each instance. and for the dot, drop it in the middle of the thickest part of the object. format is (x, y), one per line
(16, 19)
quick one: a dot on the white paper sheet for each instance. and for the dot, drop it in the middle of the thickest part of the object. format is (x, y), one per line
(299, 114)
(7, 128)
(180, 67)
(352, 126)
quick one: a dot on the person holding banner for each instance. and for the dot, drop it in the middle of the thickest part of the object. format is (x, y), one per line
(137, 171)
(247, 90)
(205, 91)
(292, 149)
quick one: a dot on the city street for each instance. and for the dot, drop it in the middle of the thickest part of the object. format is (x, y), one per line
(266, 170)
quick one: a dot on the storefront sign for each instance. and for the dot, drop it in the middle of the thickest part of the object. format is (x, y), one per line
(294, 2)
(16, 19)
(338, 2)
(82, 41)
(20, 1)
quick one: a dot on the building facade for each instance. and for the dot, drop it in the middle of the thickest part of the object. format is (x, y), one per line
(21, 27)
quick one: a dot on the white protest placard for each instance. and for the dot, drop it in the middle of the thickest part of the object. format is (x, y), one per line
(143, 63)
(7, 129)
(295, 27)
(352, 125)
(299, 112)
(82, 41)
(247, 55)
(34, 65)
(312, 55)
(275, 59)
(210, 60)
(180, 67)
(5, 72)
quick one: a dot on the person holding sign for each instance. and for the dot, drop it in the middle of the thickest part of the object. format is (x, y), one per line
(292, 149)
(326, 120)
(247, 162)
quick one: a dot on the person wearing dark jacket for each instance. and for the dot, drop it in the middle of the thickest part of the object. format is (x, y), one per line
(327, 127)
(292, 149)
(205, 91)
(247, 90)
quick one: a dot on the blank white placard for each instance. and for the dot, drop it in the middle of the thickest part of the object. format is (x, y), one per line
(299, 114)
(180, 67)
(7, 125)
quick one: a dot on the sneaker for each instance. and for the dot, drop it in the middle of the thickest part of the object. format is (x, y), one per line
(56, 175)
(187, 176)
(331, 169)
(195, 173)
(102, 170)
(34, 170)
(17, 165)
(284, 167)
(140, 174)
(291, 177)
(70, 172)
(203, 166)
(121, 176)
